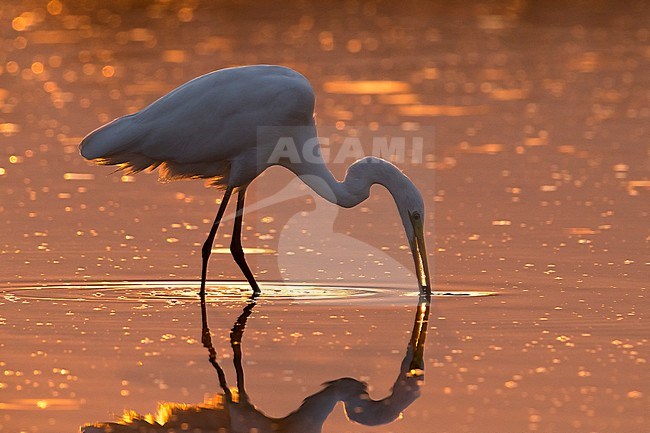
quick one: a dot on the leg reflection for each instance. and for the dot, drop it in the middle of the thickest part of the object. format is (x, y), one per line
(236, 335)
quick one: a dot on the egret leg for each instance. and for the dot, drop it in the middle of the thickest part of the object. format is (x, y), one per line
(207, 249)
(235, 244)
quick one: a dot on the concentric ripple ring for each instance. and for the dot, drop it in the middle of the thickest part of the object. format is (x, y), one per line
(178, 292)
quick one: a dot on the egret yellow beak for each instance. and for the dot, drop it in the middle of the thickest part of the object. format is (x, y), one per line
(419, 251)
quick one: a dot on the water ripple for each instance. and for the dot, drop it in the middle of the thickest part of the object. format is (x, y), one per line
(180, 292)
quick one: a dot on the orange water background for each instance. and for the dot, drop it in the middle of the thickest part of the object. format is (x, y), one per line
(535, 177)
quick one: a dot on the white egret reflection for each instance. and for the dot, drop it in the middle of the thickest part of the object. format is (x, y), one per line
(233, 411)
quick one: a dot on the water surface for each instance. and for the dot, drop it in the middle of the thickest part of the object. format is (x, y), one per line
(534, 172)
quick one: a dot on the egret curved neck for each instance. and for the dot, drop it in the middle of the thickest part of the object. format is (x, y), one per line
(355, 188)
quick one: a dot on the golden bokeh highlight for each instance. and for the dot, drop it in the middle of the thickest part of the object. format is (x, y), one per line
(54, 7)
(108, 71)
(38, 68)
(366, 87)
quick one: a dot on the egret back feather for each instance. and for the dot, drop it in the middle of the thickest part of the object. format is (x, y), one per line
(203, 127)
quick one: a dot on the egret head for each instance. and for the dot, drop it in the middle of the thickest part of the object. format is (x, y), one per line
(408, 199)
(411, 209)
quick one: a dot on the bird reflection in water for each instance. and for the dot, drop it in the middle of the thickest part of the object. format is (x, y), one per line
(233, 412)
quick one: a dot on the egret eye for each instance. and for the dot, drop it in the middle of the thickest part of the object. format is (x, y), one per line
(416, 215)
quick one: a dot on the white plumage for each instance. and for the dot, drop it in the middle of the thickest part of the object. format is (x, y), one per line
(206, 128)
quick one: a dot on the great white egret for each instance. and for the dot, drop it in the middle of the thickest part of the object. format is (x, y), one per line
(229, 126)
